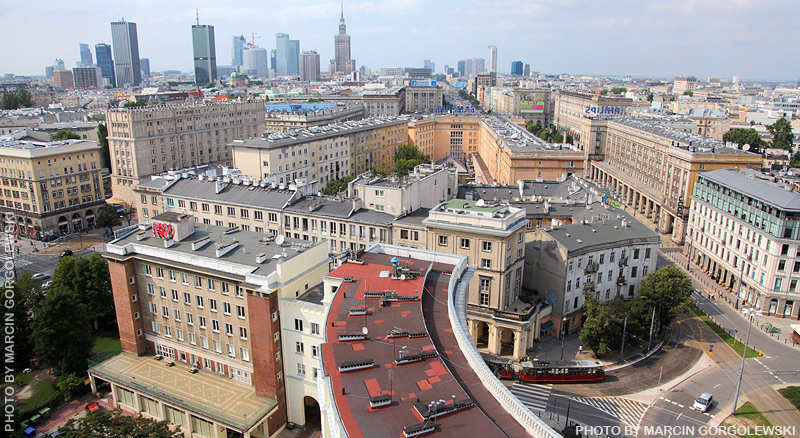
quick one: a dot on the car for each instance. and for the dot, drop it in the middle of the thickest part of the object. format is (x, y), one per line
(66, 252)
(47, 284)
(57, 434)
(40, 276)
(93, 406)
(703, 403)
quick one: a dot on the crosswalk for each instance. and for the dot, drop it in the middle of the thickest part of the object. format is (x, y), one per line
(19, 262)
(533, 396)
(629, 411)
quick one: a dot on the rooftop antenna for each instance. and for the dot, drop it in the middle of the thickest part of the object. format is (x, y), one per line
(197, 11)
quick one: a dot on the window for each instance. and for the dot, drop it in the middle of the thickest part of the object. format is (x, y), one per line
(298, 325)
(314, 328)
(379, 193)
(179, 334)
(486, 264)
(147, 271)
(245, 354)
(211, 284)
(636, 254)
(156, 327)
(160, 273)
(464, 243)
(176, 314)
(187, 298)
(298, 347)
(174, 294)
(647, 253)
(243, 333)
(217, 346)
(198, 281)
(485, 284)
(204, 342)
(224, 288)
(189, 318)
(162, 292)
(228, 329)
(199, 302)
(315, 351)
(226, 308)
(442, 240)
(171, 275)
(240, 312)
(520, 237)
(301, 369)
(153, 309)
(215, 325)
(192, 339)
(165, 311)
(487, 246)
(633, 272)
(782, 265)
(212, 304)
(151, 290)
(231, 350)
(202, 320)
(484, 299)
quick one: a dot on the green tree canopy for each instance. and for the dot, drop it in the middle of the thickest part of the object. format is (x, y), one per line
(743, 136)
(10, 100)
(337, 185)
(61, 333)
(107, 217)
(619, 90)
(603, 92)
(688, 93)
(605, 320)
(28, 294)
(782, 136)
(102, 139)
(406, 158)
(138, 103)
(65, 134)
(90, 279)
(668, 291)
(104, 424)
(24, 98)
(650, 97)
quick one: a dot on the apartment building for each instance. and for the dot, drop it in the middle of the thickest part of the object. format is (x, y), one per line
(50, 188)
(285, 121)
(199, 316)
(570, 108)
(384, 103)
(424, 187)
(148, 140)
(652, 168)
(322, 153)
(744, 231)
(604, 251)
(423, 99)
(492, 237)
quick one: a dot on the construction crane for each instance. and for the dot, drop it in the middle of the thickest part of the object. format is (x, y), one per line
(253, 38)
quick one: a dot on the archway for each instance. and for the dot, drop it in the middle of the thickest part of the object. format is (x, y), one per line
(63, 225)
(482, 340)
(311, 415)
(507, 342)
(773, 306)
(77, 221)
(89, 219)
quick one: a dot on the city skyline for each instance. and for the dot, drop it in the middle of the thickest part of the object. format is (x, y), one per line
(651, 39)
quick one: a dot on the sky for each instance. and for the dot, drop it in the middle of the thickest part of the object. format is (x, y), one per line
(754, 39)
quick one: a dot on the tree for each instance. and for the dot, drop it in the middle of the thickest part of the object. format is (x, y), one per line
(24, 98)
(605, 322)
(603, 92)
(10, 101)
(69, 382)
(138, 103)
(65, 134)
(743, 136)
(107, 217)
(27, 296)
(379, 172)
(688, 93)
(406, 158)
(61, 333)
(619, 90)
(89, 278)
(782, 136)
(650, 97)
(668, 291)
(796, 160)
(102, 138)
(337, 185)
(104, 424)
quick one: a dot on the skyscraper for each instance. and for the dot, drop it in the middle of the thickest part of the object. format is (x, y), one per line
(428, 64)
(287, 55)
(105, 62)
(492, 59)
(254, 62)
(273, 60)
(526, 71)
(86, 55)
(342, 62)
(126, 52)
(87, 77)
(516, 68)
(58, 64)
(237, 50)
(144, 64)
(205, 53)
(309, 66)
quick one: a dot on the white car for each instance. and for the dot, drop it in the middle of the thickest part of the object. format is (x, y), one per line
(703, 403)
(47, 284)
(40, 276)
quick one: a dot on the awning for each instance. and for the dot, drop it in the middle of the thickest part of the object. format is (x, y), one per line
(546, 325)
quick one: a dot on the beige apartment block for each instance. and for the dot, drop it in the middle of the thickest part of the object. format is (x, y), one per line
(50, 188)
(288, 121)
(148, 140)
(571, 107)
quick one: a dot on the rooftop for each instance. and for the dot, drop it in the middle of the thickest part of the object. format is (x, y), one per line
(700, 144)
(314, 133)
(399, 331)
(205, 393)
(322, 206)
(598, 226)
(24, 148)
(244, 248)
(517, 139)
(313, 295)
(757, 186)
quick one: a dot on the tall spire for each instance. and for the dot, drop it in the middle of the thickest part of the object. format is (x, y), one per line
(197, 11)
(342, 11)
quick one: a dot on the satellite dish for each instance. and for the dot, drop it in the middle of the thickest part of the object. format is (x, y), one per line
(280, 239)
(364, 330)
(480, 203)
(746, 147)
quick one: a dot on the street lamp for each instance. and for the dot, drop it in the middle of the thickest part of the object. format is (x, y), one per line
(744, 355)
(745, 257)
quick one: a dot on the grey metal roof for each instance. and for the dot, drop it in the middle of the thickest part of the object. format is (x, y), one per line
(320, 206)
(313, 295)
(279, 140)
(414, 218)
(599, 232)
(235, 194)
(748, 183)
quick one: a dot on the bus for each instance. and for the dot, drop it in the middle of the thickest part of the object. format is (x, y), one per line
(561, 371)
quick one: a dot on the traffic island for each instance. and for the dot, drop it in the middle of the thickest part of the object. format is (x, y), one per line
(734, 343)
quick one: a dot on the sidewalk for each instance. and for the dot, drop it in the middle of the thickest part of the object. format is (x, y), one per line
(549, 348)
(726, 297)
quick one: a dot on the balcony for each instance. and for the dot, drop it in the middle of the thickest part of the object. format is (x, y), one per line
(623, 261)
(589, 286)
(621, 281)
(523, 316)
(591, 268)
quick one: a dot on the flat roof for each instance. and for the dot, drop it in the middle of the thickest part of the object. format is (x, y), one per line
(600, 226)
(409, 384)
(748, 182)
(315, 133)
(205, 393)
(231, 194)
(250, 245)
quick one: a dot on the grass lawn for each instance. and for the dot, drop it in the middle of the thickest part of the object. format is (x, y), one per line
(792, 393)
(737, 346)
(748, 416)
(41, 390)
(102, 345)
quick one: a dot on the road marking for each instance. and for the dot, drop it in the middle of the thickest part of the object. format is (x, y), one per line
(534, 397)
(715, 387)
(679, 416)
(629, 411)
(681, 406)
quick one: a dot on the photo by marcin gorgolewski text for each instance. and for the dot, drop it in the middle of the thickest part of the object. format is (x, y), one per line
(9, 328)
(686, 431)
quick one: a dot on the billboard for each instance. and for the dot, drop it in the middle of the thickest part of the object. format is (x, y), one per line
(531, 103)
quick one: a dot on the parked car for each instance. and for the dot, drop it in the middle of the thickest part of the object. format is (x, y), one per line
(93, 406)
(57, 434)
(703, 403)
(66, 252)
(40, 276)
(47, 284)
